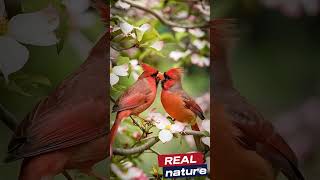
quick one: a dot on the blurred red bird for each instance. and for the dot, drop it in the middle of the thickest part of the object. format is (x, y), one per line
(136, 98)
(68, 129)
(246, 146)
(177, 103)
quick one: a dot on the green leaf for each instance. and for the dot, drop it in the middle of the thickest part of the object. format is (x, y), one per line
(63, 29)
(122, 60)
(139, 35)
(14, 87)
(150, 35)
(180, 36)
(167, 37)
(34, 5)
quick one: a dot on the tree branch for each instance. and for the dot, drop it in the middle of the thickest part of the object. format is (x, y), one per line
(8, 119)
(163, 20)
(151, 142)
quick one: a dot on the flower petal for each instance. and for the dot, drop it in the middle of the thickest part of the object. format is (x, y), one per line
(122, 5)
(84, 20)
(134, 63)
(126, 28)
(199, 44)
(121, 70)
(114, 79)
(35, 28)
(13, 56)
(206, 125)
(206, 140)
(196, 32)
(144, 27)
(176, 55)
(77, 6)
(158, 45)
(178, 29)
(165, 135)
(177, 127)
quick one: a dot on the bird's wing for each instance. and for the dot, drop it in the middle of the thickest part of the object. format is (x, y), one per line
(134, 96)
(192, 105)
(58, 128)
(75, 113)
(260, 136)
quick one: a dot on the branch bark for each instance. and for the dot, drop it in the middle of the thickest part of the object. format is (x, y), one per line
(8, 119)
(163, 20)
(150, 143)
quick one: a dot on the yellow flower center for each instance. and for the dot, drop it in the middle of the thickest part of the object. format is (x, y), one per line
(168, 126)
(3, 25)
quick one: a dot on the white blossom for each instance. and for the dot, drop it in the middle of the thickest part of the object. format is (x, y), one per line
(206, 126)
(167, 129)
(126, 28)
(179, 29)
(200, 60)
(122, 5)
(197, 32)
(176, 55)
(116, 71)
(158, 45)
(199, 44)
(36, 28)
(132, 173)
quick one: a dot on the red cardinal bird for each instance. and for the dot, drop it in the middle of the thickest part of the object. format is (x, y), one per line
(246, 146)
(177, 103)
(67, 130)
(136, 98)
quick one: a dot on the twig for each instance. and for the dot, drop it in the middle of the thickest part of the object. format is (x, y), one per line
(111, 98)
(122, 49)
(163, 20)
(154, 151)
(150, 143)
(135, 150)
(67, 175)
(8, 119)
(136, 123)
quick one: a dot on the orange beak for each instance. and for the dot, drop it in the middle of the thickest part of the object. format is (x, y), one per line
(160, 76)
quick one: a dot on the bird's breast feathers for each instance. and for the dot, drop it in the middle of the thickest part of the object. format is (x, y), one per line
(175, 106)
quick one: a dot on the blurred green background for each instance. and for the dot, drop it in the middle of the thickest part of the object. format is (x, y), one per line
(275, 64)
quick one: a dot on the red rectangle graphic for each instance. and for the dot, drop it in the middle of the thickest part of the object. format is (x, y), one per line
(167, 160)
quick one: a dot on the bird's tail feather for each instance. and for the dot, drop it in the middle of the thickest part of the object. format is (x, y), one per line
(121, 115)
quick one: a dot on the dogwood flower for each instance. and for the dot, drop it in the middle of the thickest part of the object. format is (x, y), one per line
(167, 129)
(176, 55)
(80, 17)
(200, 44)
(135, 68)
(79, 14)
(116, 71)
(122, 5)
(132, 173)
(206, 126)
(179, 29)
(158, 45)
(197, 32)
(200, 60)
(126, 28)
(36, 28)
(144, 27)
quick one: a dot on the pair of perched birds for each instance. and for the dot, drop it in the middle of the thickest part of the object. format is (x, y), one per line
(137, 98)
